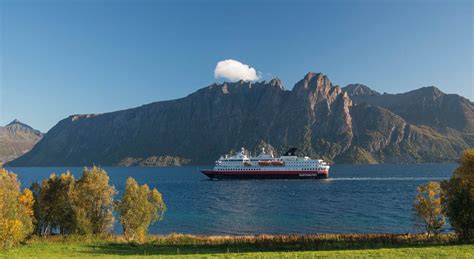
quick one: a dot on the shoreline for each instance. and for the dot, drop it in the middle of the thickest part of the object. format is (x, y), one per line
(386, 238)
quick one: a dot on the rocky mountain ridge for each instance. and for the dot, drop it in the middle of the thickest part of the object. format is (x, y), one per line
(354, 124)
(17, 138)
(424, 106)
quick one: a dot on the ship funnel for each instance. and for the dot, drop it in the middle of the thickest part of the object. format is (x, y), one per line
(291, 152)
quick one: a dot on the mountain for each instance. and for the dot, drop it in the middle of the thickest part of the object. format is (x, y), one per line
(17, 138)
(425, 106)
(359, 90)
(319, 118)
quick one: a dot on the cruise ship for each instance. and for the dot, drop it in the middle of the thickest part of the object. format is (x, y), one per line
(266, 166)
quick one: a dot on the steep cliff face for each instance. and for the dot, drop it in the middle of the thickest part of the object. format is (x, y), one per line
(17, 138)
(319, 117)
(384, 137)
(315, 116)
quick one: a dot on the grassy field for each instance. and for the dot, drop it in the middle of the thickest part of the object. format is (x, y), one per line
(245, 246)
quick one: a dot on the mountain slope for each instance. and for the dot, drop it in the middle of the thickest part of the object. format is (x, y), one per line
(382, 136)
(315, 116)
(17, 138)
(427, 106)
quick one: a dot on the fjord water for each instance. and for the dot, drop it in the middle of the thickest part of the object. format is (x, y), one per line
(356, 199)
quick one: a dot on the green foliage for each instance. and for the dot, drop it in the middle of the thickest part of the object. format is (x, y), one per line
(356, 155)
(93, 202)
(68, 206)
(54, 208)
(458, 197)
(16, 210)
(154, 161)
(427, 207)
(139, 208)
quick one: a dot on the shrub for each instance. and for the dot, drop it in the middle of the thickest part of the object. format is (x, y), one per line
(427, 207)
(16, 210)
(139, 208)
(458, 197)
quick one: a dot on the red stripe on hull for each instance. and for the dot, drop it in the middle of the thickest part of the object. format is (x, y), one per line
(266, 174)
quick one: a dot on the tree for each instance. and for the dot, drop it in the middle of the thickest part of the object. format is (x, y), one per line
(55, 207)
(16, 210)
(458, 197)
(38, 215)
(139, 208)
(427, 207)
(93, 202)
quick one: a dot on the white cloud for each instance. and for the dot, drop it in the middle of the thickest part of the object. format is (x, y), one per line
(234, 70)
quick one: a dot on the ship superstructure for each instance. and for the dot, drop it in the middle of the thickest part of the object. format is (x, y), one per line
(266, 166)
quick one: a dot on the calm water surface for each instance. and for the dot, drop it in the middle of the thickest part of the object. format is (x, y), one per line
(357, 198)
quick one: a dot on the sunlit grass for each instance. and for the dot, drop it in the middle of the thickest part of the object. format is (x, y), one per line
(262, 246)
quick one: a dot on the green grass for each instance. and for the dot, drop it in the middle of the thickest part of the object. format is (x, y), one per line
(187, 246)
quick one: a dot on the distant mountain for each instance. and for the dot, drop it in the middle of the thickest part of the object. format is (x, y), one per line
(359, 90)
(349, 125)
(17, 138)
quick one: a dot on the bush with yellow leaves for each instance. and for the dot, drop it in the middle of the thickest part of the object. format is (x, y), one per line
(16, 210)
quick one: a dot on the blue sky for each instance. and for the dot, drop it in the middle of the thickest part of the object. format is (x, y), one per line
(66, 57)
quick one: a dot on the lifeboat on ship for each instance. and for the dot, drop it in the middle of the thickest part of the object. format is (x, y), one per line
(278, 163)
(264, 163)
